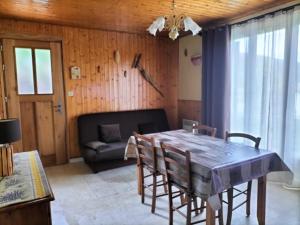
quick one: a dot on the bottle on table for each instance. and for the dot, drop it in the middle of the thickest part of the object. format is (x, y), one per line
(194, 130)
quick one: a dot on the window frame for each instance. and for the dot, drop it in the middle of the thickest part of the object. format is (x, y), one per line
(35, 85)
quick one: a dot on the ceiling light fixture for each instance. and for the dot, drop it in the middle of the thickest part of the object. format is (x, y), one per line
(174, 23)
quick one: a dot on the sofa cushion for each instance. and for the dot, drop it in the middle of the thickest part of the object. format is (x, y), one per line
(96, 145)
(114, 150)
(110, 133)
(147, 128)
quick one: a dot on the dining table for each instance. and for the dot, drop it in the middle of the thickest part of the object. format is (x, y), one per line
(217, 165)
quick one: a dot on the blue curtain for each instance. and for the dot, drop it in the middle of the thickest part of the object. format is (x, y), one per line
(216, 74)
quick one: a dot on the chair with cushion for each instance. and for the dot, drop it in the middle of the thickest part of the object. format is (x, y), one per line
(247, 192)
(206, 130)
(178, 171)
(147, 160)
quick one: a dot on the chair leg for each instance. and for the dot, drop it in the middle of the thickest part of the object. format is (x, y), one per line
(182, 198)
(230, 203)
(170, 204)
(248, 206)
(202, 206)
(220, 212)
(142, 184)
(195, 205)
(188, 210)
(165, 184)
(153, 206)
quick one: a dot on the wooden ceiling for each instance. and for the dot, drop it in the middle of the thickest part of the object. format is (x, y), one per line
(126, 15)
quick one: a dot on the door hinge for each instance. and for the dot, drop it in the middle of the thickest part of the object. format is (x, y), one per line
(5, 99)
(3, 67)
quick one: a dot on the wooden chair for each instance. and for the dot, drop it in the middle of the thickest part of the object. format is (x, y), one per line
(246, 192)
(207, 129)
(147, 160)
(178, 172)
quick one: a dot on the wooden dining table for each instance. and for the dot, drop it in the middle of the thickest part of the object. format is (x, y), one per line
(218, 165)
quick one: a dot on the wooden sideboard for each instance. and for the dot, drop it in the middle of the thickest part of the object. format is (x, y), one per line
(35, 210)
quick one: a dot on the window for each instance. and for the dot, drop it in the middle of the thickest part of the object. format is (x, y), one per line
(24, 71)
(43, 71)
(34, 72)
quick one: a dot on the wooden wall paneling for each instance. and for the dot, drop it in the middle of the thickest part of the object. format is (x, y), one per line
(131, 72)
(135, 74)
(107, 89)
(105, 58)
(13, 109)
(2, 91)
(171, 88)
(93, 68)
(123, 66)
(145, 65)
(143, 82)
(189, 109)
(93, 103)
(111, 72)
(154, 103)
(115, 74)
(83, 57)
(100, 69)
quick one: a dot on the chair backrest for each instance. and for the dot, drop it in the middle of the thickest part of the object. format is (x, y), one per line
(146, 151)
(178, 166)
(208, 130)
(256, 140)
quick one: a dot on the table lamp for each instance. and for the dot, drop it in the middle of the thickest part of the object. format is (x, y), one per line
(9, 132)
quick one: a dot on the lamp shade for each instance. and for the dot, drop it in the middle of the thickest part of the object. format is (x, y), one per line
(9, 131)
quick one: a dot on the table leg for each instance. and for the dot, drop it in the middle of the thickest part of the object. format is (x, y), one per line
(261, 200)
(139, 180)
(210, 215)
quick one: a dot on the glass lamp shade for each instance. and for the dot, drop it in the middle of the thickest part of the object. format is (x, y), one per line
(9, 131)
(173, 34)
(158, 24)
(189, 24)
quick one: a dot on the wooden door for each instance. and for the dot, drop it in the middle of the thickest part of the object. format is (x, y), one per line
(34, 94)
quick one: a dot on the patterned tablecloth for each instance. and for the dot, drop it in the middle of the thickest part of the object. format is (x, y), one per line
(27, 183)
(216, 164)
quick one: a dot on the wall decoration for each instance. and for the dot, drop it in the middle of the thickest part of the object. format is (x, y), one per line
(75, 73)
(185, 52)
(117, 56)
(146, 76)
(196, 59)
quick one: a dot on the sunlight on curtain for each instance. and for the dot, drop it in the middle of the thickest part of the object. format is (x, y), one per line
(265, 84)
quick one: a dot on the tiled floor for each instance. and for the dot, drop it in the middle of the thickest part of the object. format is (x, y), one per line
(110, 198)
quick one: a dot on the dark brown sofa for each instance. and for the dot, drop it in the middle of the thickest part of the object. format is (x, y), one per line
(113, 155)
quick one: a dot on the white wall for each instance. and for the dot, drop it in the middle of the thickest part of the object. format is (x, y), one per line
(190, 76)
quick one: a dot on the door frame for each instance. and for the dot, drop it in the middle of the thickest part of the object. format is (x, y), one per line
(40, 38)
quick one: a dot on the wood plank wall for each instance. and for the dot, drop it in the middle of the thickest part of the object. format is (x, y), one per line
(103, 86)
(189, 109)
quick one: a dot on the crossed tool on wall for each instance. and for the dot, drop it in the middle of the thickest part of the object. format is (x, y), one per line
(143, 72)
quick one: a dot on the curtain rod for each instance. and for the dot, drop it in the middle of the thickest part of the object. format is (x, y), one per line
(260, 14)
(263, 15)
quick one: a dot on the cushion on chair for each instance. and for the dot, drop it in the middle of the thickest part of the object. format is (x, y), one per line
(110, 133)
(147, 128)
(96, 145)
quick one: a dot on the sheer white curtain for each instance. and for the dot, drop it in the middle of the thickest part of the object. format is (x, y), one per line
(265, 84)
